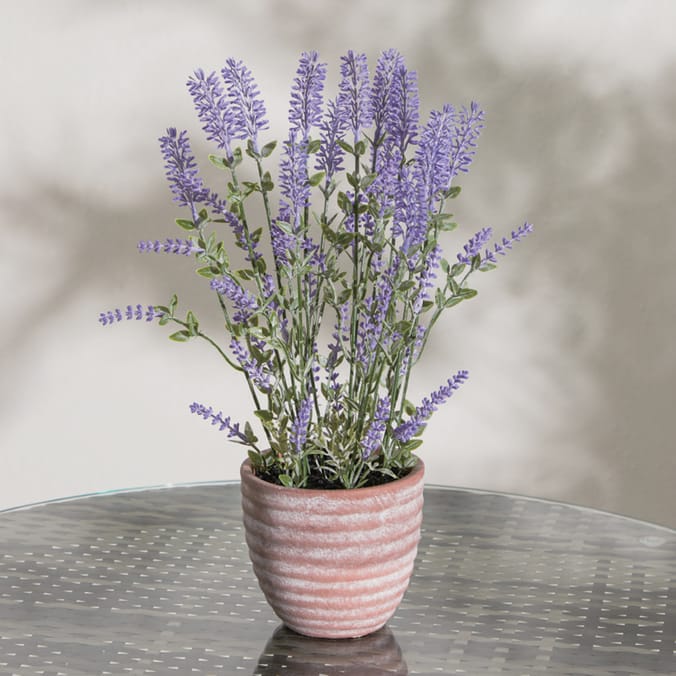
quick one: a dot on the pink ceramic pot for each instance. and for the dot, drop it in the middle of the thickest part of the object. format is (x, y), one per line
(333, 563)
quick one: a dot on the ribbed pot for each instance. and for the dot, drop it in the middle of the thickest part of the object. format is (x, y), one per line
(333, 563)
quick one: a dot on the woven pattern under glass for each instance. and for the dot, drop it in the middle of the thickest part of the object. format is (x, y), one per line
(159, 582)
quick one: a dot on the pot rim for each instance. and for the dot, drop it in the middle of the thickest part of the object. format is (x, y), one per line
(413, 477)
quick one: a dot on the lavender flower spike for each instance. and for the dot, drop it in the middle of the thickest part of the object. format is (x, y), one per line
(213, 109)
(183, 247)
(247, 106)
(406, 431)
(299, 427)
(138, 312)
(218, 419)
(506, 244)
(464, 138)
(181, 170)
(354, 99)
(330, 155)
(258, 374)
(305, 109)
(474, 246)
(374, 435)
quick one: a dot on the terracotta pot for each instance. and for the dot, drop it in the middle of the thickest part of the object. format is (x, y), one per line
(333, 563)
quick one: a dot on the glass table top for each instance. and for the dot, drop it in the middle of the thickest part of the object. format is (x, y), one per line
(158, 581)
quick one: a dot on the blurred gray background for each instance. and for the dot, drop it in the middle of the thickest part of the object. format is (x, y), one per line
(570, 343)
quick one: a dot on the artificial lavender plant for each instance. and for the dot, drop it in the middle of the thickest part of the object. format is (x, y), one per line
(344, 279)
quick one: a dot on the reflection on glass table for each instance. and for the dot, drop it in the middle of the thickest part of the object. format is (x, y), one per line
(158, 581)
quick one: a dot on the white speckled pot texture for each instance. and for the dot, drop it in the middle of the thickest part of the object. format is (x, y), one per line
(333, 563)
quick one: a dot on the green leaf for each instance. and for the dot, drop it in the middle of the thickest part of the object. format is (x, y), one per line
(476, 262)
(452, 192)
(409, 408)
(206, 272)
(180, 336)
(346, 146)
(220, 162)
(447, 226)
(445, 266)
(344, 204)
(249, 433)
(267, 183)
(467, 293)
(486, 267)
(367, 180)
(286, 480)
(412, 444)
(352, 180)
(360, 147)
(185, 224)
(454, 300)
(317, 178)
(456, 269)
(192, 323)
(173, 303)
(267, 149)
(313, 146)
(264, 415)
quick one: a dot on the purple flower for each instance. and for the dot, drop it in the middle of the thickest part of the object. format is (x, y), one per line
(332, 128)
(432, 167)
(406, 431)
(306, 94)
(410, 214)
(181, 170)
(388, 65)
(248, 108)
(354, 99)
(258, 374)
(293, 179)
(218, 419)
(403, 112)
(474, 246)
(242, 238)
(213, 109)
(137, 312)
(243, 301)
(183, 247)
(374, 435)
(300, 424)
(464, 138)
(427, 275)
(506, 244)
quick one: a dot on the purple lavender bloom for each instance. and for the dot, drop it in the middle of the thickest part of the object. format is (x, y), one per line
(248, 108)
(464, 138)
(332, 128)
(388, 65)
(306, 94)
(410, 214)
(137, 312)
(282, 242)
(432, 168)
(181, 170)
(354, 99)
(372, 324)
(427, 277)
(213, 109)
(183, 247)
(506, 244)
(242, 240)
(243, 301)
(406, 431)
(374, 435)
(258, 374)
(224, 424)
(299, 426)
(293, 179)
(403, 112)
(474, 246)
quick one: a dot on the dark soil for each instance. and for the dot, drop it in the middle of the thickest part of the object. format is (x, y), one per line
(320, 482)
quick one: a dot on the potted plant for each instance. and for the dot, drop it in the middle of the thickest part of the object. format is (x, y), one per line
(340, 288)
